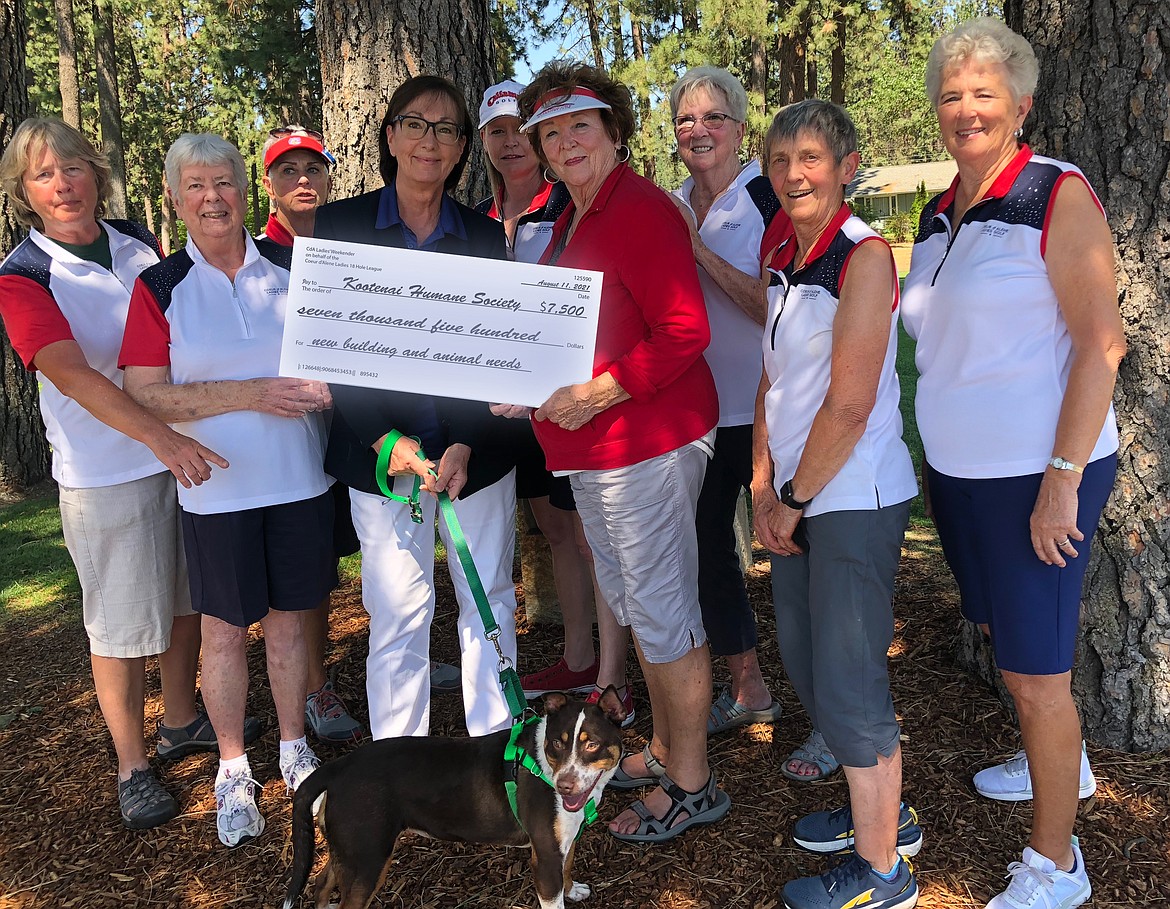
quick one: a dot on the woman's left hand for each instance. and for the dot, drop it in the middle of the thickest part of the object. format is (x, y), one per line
(570, 407)
(784, 521)
(1054, 519)
(452, 471)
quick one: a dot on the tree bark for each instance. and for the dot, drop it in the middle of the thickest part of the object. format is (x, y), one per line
(24, 452)
(67, 63)
(837, 73)
(791, 81)
(110, 105)
(593, 21)
(617, 38)
(369, 47)
(649, 166)
(1102, 104)
(168, 220)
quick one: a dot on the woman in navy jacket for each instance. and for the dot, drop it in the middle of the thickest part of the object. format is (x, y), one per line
(424, 145)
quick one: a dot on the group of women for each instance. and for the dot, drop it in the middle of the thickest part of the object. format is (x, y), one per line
(1010, 298)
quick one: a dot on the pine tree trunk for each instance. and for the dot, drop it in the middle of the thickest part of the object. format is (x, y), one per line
(759, 72)
(837, 76)
(67, 63)
(593, 20)
(1102, 104)
(24, 453)
(370, 47)
(110, 105)
(791, 67)
(649, 165)
(617, 38)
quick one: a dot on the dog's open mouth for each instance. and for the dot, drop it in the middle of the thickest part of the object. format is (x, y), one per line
(575, 802)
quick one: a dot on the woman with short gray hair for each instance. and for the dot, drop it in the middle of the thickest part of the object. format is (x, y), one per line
(831, 490)
(1012, 300)
(201, 348)
(728, 205)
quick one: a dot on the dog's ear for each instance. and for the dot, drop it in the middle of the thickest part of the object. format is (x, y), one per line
(611, 705)
(554, 701)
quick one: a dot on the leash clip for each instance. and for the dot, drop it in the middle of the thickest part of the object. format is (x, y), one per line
(505, 662)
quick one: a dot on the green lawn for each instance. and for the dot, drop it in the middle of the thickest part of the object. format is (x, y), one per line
(908, 378)
(35, 567)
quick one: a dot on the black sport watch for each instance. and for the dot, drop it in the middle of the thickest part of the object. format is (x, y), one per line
(790, 500)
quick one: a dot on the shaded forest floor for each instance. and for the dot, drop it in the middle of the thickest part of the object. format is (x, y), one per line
(61, 844)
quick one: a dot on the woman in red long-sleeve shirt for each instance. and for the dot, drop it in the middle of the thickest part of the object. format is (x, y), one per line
(636, 437)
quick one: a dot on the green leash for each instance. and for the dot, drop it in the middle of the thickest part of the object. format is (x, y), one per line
(509, 678)
(514, 754)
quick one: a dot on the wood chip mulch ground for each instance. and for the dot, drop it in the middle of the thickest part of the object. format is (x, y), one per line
(61, 844)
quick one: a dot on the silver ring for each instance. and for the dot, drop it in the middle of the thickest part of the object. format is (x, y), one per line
(1063, 542)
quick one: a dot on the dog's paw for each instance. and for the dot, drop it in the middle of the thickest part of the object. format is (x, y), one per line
(579, 892)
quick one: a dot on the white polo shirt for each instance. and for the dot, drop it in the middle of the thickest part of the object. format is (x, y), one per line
(47, 294)
(993, 351)
(533, 228)
(798, 350)
(187, 315)
(733, 230)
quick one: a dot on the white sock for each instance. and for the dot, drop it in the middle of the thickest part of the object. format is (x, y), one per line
(237, 766)
(288, 750)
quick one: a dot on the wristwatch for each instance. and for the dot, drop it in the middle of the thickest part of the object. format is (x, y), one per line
(1061, 464)
(790, 500)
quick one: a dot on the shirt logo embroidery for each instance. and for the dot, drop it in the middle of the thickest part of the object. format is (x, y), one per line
(991, 229)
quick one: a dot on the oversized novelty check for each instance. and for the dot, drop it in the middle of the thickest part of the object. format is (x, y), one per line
(455, 326)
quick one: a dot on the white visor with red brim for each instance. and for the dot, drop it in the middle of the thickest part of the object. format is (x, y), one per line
(558, 102)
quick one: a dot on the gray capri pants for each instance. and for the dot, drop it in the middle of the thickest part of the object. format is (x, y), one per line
(834, 625)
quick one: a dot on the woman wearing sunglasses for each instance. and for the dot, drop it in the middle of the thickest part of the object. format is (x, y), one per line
(424, 145)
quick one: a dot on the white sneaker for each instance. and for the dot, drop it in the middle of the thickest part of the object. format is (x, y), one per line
(1036, 883)
(237, 818)
(297, 765)
(1011, 781)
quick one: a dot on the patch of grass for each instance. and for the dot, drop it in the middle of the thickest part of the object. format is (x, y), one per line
(908, 378)
(34, 564)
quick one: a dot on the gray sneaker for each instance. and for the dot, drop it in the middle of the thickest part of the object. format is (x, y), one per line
(326, 715)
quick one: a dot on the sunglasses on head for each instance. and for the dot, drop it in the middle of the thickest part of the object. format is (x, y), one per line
(281, 131)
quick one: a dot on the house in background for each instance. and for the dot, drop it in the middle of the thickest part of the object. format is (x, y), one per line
(889, 190)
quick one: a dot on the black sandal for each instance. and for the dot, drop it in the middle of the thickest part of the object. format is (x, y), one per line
(176, 742)
(143, 801)
(706, 806)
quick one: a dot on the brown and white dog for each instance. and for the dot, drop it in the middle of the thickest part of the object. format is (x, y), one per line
(453, 789)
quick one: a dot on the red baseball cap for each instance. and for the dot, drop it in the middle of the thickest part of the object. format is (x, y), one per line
(296, 141)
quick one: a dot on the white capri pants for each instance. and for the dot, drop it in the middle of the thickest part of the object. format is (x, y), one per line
(398, 592)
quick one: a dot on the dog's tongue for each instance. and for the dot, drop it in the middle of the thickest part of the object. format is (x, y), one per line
(574, 802)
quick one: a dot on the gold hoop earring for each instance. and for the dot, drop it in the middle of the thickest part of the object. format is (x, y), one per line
(547, 179)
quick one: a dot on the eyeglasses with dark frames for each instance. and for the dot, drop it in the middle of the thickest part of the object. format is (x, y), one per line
(416, 127)
(713, 121)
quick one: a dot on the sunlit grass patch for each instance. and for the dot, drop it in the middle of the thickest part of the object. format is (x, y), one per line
(35, 569)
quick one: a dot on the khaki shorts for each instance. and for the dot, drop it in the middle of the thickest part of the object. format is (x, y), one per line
(125, 543)
(640, 524)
